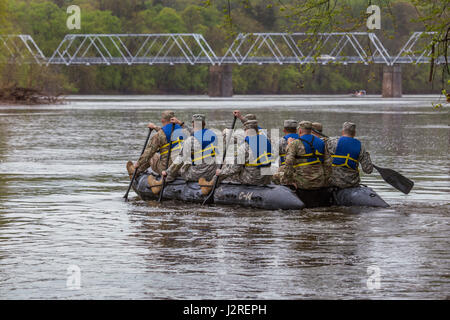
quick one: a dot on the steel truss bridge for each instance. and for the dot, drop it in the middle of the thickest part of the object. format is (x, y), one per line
(192, 48)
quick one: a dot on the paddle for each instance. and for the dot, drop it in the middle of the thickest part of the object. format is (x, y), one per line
(135, 171)
(392, 177)
(395, 179)
(210, 197)
(167, 166)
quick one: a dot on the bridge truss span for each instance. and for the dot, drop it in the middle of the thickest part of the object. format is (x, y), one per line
(306, 48)
(340, 48)
(133, 49)
(20, 49)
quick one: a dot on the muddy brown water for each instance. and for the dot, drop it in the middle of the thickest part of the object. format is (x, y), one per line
(62, 178)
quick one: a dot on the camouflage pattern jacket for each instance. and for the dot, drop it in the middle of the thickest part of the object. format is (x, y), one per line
(154, 146)
(305, 177)
(282, 148)
(343, 177)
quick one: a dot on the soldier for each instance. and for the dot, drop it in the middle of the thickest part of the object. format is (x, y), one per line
(255, 155)
(347, 153)
(197, 158)
(290, 131)
(304, 160)
(156, 154)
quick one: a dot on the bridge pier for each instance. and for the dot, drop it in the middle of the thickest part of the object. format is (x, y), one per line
(220, 81)
(392, 81)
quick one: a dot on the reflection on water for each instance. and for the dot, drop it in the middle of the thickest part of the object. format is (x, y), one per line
(62, 176)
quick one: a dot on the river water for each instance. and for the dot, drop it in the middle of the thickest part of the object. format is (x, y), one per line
(62, 178)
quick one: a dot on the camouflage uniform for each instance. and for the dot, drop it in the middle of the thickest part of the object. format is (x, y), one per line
(282, 148)
(306, 177)
(344, 177)
(205, 168)
(242, 173)
(238, 136)
(151, 156)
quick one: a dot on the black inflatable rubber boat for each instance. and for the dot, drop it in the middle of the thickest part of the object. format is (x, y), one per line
(271, 197)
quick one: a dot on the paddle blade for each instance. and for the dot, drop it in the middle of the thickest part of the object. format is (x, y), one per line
(395, 179)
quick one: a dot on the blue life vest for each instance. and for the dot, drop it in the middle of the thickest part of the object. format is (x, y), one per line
(314, 150)
(286, 137)
(175, 141)
(208, 139)
(261, 149)
(347, 153)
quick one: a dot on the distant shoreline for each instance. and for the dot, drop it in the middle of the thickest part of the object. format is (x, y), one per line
(263, 97)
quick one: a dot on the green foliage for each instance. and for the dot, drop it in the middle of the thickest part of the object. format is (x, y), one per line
(168, 20)
(4, 23)
(218, 21)
(44, 20)
(290, 80)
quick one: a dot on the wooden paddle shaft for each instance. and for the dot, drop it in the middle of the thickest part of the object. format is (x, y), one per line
(169, 154)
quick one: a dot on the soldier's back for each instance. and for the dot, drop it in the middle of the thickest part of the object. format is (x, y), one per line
(305, 175)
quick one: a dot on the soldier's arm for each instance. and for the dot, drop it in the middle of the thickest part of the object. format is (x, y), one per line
(184, 158)
(156, 142)
(188, 131)
(291, 152)
(327, 162)
(331, 145)
(365, 161)
(238, 115)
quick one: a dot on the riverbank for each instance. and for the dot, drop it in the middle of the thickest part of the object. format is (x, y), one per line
(27, 96)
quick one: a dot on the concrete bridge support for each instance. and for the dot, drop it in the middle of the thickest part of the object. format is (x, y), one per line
(220, 81)
(392, 81)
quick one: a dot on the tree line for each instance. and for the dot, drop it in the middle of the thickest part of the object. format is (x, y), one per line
(218, 21)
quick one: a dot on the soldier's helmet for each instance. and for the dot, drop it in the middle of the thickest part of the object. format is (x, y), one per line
(290, 124)
(349, 127)
(198, 117)
(317, 126)
(167, 115)
(305, 125)
(251, 124)
(250, 116)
